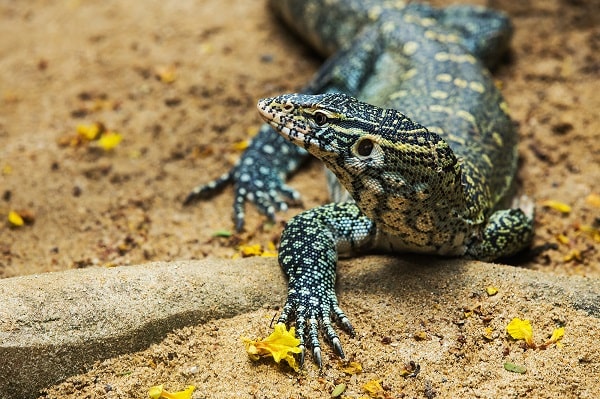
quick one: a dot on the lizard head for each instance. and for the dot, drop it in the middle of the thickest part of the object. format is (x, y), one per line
(370, 149)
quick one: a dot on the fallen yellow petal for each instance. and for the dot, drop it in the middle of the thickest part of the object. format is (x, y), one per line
(591, 231)
(557, 334)
(109, 140)
(373, 387)
(593, 199)
(487, 334)
(281, 345)
(90, 132)
(166, 74)
(491, 290)
(352, 368)
(563, 239)
(15, 219)
(251, 250)
(556, 337)
(157, 392)
(574, 254)
(521, 329)
(240, 145)
(252, 131)
(557, 206)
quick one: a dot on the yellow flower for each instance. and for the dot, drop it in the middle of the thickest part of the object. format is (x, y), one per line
(521, 329)
(281, 345)
(158, 392)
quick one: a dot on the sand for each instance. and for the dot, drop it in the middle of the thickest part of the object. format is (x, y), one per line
(179, 81)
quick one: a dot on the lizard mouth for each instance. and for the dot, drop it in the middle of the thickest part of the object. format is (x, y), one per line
(284, 117)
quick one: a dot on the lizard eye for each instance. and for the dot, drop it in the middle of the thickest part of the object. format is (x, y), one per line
(365, 147)
(320, 118)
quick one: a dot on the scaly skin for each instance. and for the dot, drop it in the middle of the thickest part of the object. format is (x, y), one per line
(428, 154)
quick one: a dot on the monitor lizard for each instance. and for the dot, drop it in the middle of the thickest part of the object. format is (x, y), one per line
(406, 115)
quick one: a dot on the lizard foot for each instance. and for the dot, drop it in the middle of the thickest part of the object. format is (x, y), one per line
(309, 319)
(254, 181)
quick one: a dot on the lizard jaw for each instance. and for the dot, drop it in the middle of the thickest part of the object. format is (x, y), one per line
(283, 116)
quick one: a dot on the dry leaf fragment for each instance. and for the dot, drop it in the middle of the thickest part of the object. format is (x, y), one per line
(338, 390)
(281, 345)
(508, 366)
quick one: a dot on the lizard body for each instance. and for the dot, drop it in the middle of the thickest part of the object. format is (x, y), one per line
(407, 117)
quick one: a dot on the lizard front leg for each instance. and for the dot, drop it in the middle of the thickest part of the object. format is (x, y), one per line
(308, 254)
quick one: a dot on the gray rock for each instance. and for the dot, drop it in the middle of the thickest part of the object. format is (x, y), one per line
(55, 325)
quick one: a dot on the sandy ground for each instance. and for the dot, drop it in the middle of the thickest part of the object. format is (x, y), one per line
(179, 80)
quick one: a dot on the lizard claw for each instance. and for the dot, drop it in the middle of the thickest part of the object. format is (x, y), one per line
(302, 355)
(317, 356)
(209, 189)
(337, 346)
